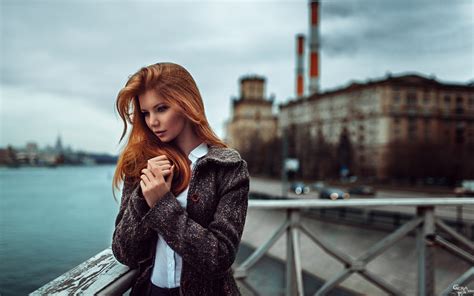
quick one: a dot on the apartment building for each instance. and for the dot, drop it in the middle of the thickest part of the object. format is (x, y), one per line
(403, 109)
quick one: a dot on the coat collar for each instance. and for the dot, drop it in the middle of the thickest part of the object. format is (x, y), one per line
(220, 155)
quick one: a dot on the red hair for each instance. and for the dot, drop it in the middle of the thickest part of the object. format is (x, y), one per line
(175, 85)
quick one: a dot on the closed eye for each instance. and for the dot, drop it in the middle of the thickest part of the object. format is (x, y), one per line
(162, 108)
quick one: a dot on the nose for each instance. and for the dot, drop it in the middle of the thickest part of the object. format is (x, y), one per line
(154, 122)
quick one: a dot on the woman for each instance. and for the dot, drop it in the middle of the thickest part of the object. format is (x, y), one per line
(185, 193)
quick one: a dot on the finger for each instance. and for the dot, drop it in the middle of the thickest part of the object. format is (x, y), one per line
(160, 164)
(149, 174)
(160, 157)
(169, 179)
(161, 161)
(142, 184)
(145, 179)
(158, 175)
(165, 167)
(166, 171)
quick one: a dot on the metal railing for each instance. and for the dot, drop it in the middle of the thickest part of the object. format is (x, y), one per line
(424, 224)
(103, 275)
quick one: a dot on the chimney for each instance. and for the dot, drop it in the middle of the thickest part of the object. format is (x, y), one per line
(299, 65)
(314, 47)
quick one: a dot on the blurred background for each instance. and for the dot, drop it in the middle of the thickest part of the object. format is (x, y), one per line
(360, 94)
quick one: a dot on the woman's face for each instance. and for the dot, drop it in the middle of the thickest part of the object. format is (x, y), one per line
(162, 118)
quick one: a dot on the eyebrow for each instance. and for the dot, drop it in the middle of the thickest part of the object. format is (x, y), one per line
(152, 107)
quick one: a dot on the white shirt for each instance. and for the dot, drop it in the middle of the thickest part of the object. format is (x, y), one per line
(167, 267)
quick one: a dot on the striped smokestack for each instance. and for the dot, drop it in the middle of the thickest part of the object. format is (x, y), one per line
(299, 65)
(314, 47)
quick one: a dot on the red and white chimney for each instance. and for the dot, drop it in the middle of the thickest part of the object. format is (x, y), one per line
(314, 47)
(299, 65)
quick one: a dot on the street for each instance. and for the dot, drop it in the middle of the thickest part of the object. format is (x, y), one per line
(273, 187)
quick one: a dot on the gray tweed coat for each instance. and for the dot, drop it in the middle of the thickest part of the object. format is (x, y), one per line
(206, 234)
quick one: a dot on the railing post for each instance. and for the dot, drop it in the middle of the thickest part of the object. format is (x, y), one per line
(424, 248)
(459, 218)
(290, 260)
(294, 270)
(295, 231)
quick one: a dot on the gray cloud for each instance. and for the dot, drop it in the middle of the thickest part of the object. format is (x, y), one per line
(83, 48)
(86, 50)
(396, 27)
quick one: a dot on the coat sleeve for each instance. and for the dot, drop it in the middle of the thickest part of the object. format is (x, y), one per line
(131, 239)
(211, 250)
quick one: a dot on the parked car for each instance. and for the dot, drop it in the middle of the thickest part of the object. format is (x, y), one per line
(333, 193)
(299, 188)
(362, 190)
(466, 188)
(318, 185)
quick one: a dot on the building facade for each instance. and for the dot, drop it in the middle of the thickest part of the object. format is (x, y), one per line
(252, 118)
(405, 109)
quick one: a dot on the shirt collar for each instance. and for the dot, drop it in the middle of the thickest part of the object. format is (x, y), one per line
(198, 152)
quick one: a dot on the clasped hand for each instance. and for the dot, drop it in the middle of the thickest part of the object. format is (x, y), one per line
(156, 179)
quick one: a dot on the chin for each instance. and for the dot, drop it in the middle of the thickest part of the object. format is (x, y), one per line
(165, 139)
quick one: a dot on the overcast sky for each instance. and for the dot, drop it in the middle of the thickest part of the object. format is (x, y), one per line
(63, 62)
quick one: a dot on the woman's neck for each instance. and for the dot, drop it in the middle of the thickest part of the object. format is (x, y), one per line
(187, 140)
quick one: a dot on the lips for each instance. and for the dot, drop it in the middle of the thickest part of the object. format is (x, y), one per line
(159, 133)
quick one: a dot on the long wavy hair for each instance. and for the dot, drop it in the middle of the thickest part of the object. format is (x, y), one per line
(177, 87)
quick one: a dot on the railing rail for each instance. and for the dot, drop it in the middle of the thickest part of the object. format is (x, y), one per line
(103, 275)
(100, 275)
(301, 203)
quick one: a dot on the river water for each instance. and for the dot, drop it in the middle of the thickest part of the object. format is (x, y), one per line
(51, 220)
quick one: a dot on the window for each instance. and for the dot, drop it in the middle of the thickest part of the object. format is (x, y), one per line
(426, 96)
(411, 128)
(427, 129)
(396, 127)
(471, 102)
(459, 105)
(446, 133)
(447, 101)
(396, 95)
(411, 98)
(459, 136)
(470, 132)
(253, 90)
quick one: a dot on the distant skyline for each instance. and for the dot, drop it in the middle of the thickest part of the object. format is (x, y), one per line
(63, 63)
(40, 147)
